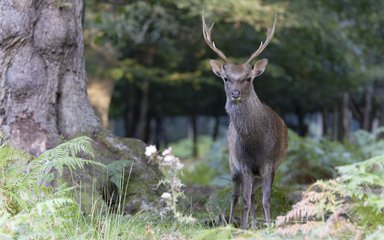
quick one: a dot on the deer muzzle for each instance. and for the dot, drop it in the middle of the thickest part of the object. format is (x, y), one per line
(236, 96)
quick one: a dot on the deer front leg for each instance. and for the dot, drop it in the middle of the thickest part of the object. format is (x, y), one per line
(235, 197)
(267, 186)
(247, 192)
(256, 184)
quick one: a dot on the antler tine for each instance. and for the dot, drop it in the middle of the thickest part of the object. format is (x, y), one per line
(263, 45)
(207, 37)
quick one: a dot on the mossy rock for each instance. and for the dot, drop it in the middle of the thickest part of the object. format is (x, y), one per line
(120, 155)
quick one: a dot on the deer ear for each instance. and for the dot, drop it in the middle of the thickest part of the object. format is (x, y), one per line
(217, 67)
(259, 67)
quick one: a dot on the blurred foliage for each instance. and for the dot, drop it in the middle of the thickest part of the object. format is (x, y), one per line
(308, 161)
(318, 48)
(212, 169)
(182, 148)
(369, 144)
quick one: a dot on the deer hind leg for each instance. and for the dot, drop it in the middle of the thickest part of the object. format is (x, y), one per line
(267, 186)
(247, 182)
(255, 186)
(235, 197)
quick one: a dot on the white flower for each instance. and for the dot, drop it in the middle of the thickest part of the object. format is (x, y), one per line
(167, 151)
(169, 160)
(150, 150)
(179, 165)
(166, 196)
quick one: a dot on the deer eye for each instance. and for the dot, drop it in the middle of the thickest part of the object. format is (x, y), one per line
(225, 79)
(248, 79)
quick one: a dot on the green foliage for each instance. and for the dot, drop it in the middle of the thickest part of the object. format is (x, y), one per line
(347, 206)
(369, 144)
(351, 204)
(310, 159)
(213, 169)
(32, 205)
(201, 174)
(116, 173)
(159, 39)
(182, 148)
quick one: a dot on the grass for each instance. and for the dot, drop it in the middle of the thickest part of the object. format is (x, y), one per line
(55, 211)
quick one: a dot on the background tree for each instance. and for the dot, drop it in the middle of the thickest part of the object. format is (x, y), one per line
(318, 64)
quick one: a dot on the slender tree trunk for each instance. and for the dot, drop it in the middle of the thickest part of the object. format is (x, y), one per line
(335, 121)
(129, 118)
(215, 133)
(193, 133)
(345, 115)
(367, 112)
(324, 115)
(302, 128)
(42, 73)
(379, 92)
(144, 108)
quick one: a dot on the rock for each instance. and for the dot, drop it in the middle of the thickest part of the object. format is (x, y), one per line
(128, 183)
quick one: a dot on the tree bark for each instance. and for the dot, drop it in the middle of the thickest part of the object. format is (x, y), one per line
(42, 73)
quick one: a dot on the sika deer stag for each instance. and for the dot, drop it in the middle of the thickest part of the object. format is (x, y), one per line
(257, 136)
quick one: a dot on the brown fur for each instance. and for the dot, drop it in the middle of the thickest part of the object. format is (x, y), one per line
(257, 138)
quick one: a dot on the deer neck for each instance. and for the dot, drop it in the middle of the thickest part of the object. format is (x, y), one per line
(247, 116)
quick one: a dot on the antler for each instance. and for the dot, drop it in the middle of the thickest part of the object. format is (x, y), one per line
(265, 44)
(207, 37)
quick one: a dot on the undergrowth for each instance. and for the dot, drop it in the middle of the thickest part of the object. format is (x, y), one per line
(36, 204)
(349, 206)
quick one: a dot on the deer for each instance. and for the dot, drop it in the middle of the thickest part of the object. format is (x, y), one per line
(257, 136)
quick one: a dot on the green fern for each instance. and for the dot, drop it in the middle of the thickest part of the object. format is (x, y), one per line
(354, 200)
(30, 207)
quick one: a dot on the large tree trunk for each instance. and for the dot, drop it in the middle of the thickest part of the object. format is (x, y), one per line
(42, 73)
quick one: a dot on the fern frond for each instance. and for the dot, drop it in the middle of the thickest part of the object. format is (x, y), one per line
(341, 206)
(51, 205)
(70, 148)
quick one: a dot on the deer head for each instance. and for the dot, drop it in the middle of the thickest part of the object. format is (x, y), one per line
(237, 78)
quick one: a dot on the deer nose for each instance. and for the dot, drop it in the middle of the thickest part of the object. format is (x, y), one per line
(235, 94)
